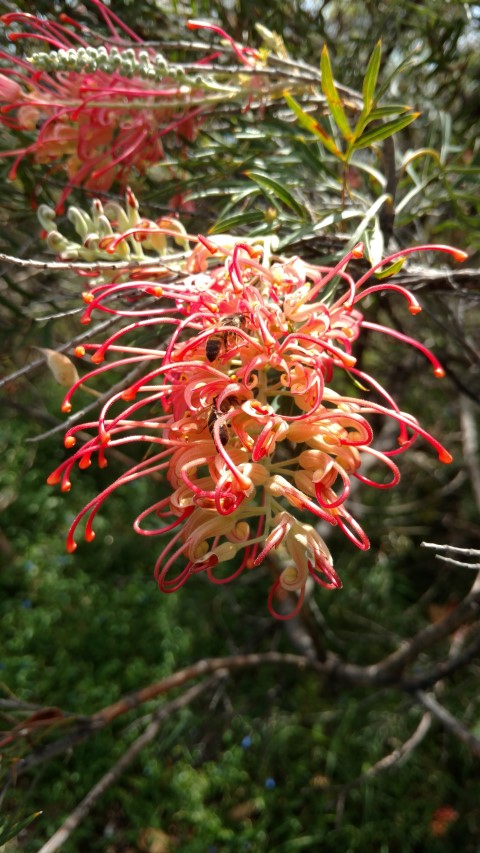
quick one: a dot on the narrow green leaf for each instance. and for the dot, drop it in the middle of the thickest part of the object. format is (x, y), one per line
(374, 243)
(309, 123)
(333, 98)
(385, 112)
(386, 272)
(371, 75)
(384, 130)
(280, 191)
(366, 219)
(411, 59)
(222, 226)
(9, 830)
(420, 152)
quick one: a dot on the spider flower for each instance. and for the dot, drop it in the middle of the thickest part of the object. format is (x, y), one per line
(96, 113)
(239, 411)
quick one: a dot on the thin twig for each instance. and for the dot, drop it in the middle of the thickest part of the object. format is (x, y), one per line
(470, 446)
(49, 266)
(451, 723)
(59, 838)
(400, 754)
(80, 413)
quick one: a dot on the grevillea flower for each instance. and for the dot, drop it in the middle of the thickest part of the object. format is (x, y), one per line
(97, 112)
(239, 409)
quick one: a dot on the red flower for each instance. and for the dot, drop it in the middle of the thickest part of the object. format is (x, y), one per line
(240, 409)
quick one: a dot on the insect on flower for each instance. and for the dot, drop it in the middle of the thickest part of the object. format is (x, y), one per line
(223, 338)
(217, 411)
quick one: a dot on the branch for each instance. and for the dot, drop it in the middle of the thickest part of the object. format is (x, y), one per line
(470, 446)
(443, 669)
(91, 266)
(449, 721)
(401, 753)
(85, 806)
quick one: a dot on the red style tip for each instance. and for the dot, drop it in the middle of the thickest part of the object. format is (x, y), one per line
(358, 251)
(414, 309)
(439, 372)
(445, 457)
(460, 256)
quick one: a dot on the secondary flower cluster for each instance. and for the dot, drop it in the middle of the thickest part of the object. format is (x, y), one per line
(238, 410)
(99, 112)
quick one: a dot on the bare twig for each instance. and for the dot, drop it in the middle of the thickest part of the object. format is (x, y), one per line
(444, 668)
(63, 426)
(398, 756)
(53, 266)
(452, 549)
(470, 446)
(449, 721)
(59, 838)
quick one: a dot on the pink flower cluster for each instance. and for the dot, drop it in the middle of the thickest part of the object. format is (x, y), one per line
(239, 411)
(97, 125)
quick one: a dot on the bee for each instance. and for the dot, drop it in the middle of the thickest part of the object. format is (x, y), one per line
(216, 412)
(222, 338)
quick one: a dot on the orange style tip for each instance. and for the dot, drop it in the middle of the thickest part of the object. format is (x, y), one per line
(70, 441)
(105, 437)
(128, 396)
(89, 535)
(66, 486)
(414, 309)
(459, 255)
(71, 547)
(53, 479)
(445, 457)
(212, 247)
(85, 320)
(66, 408)
(97, 358)
(87, 297)
(439, 372)
(158, 292)
(79, 352)
(358, 251)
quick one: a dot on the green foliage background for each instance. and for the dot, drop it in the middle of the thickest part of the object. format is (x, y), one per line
(261, 761)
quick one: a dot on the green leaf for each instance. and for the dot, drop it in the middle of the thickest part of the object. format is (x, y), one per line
(309, 123)
(279, 191)
(333, 98)
(366, 219)
(390, 270)
(229, 222)
(384, 112)
(371, 75)
(374, 243)
(10, 830)
(411, 59)
(385, 130)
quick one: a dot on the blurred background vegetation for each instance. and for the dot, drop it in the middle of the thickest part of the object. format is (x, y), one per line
(273, 758)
